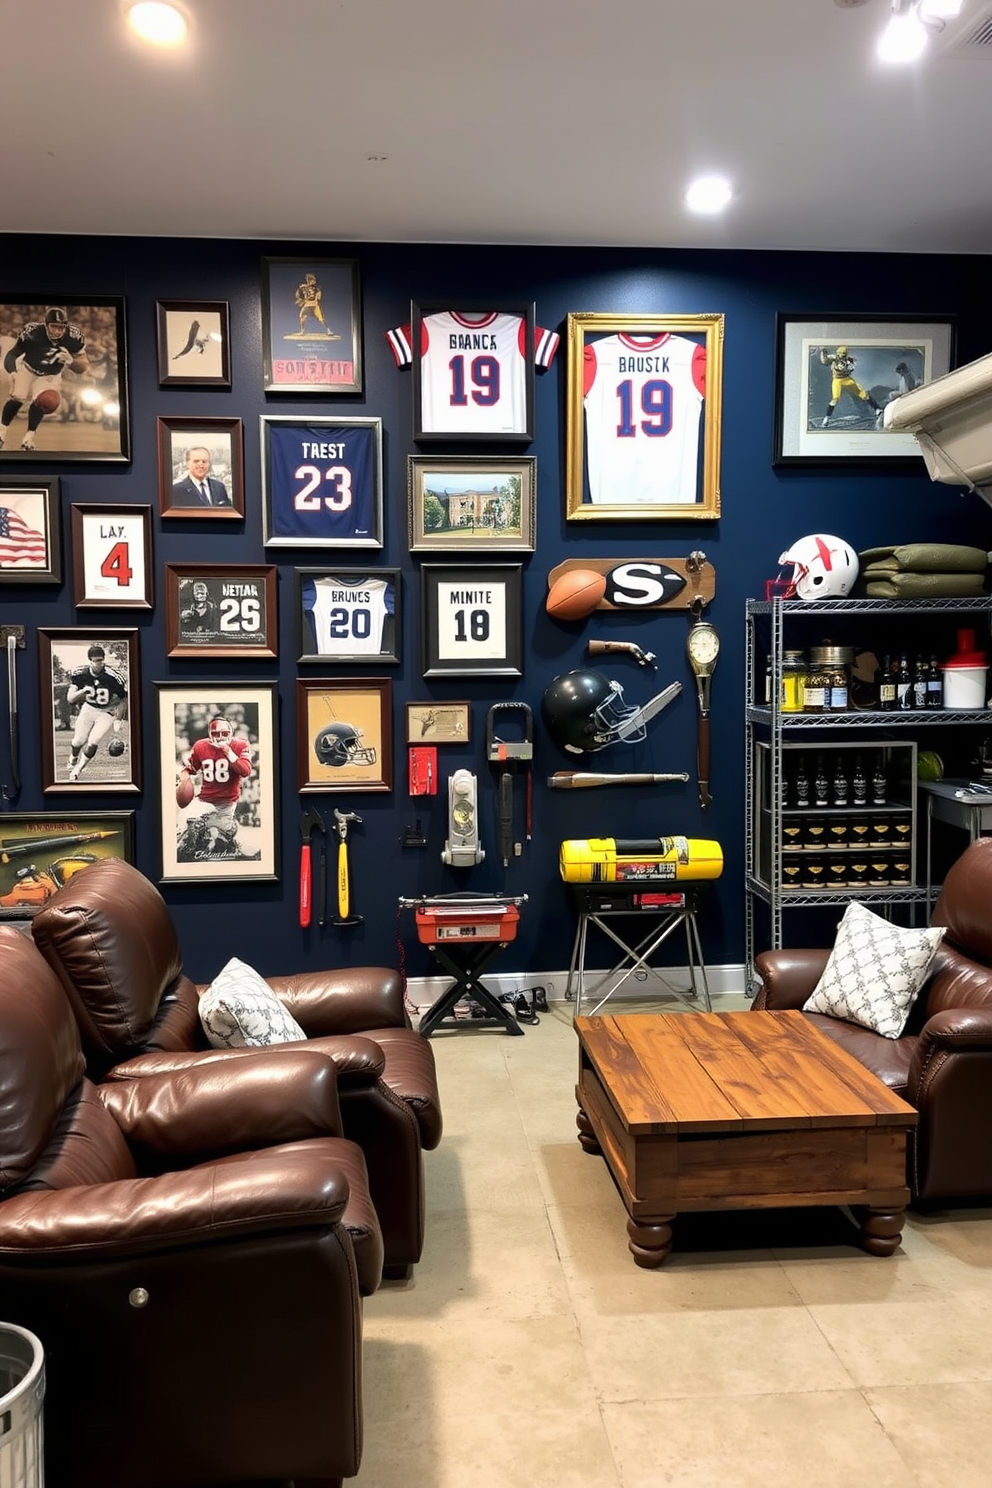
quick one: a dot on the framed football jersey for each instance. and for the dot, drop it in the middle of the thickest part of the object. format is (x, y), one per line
(321, 482)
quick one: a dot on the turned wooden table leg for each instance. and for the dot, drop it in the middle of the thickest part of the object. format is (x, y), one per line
(649, 1244)
(881, 1229)
(587, 1137)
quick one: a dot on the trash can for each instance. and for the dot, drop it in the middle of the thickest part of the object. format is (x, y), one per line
(22, 1395)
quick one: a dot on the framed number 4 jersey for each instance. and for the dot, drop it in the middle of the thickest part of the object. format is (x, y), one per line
(112, 557)
(321, 482)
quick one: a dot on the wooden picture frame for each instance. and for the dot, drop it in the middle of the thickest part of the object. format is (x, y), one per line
(321, 482)
(223, 610)
(473, 371)
(349, 615)
(829, 408)
(439, 723)
(40, 851)
(194, 343)
(312, 326)
(182, 443)
(471, 503)
(644, 400)
(101, 725)
(84, 372)
(30, 530)
(344, 737)
(112, 557)
(228, 832)
(471, 622)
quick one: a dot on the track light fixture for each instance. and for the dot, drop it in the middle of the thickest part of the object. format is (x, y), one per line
(910, 27)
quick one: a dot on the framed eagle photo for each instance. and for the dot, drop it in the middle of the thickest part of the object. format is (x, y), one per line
(321, 482)
(194, 343)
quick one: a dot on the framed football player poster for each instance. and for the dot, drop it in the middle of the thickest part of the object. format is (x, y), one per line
(218, 769)
(64, 369)
(643, 414)
(461, 503)
(194, 343)
(321, 482)
(201, 473)
(348, 614)
(30, 530)
(111, 557)
(41, 851)
(471, 620)
(220, 609)
(834, 377)
(90, 711)
(312, 325)
(344, 739)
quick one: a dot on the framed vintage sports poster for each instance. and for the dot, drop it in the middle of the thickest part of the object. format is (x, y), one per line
(348, 614)
(90, 710)
(30, 530)
(321, 482)
(63, 379)
(112, 557)
(644, 402)
(218, 778)
(194, 343)
(438, 723)
(201, 473)
(312, 326)
(471, 620)
(461, 503)
(220, 610)
(344, 739)
(40, 851)
(834, 376)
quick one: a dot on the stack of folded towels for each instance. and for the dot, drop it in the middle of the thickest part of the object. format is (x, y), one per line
(923, 571)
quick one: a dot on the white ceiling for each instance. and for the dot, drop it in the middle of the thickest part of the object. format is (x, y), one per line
(506, 121)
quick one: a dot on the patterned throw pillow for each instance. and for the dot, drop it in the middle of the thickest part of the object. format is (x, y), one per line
(875, 971)
(239, 1008)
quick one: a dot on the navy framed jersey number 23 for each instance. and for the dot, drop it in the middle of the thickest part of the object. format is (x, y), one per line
(321, 482)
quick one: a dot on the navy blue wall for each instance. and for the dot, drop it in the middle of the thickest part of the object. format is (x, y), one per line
(763, 510)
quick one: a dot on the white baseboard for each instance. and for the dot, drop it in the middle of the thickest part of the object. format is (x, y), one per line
(422, 992)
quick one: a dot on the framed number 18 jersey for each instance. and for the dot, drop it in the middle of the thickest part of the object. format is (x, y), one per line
(321, 482)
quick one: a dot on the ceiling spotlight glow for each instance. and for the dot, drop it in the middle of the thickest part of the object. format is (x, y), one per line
(904, 38)
(157, 23)
(709, 194)
(940, 10)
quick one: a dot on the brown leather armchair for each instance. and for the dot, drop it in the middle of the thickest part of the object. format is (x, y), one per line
(942, 1064)
(178, 1244)
(110, 939)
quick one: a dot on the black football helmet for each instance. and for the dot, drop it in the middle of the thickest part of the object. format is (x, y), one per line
(340, 744)
(583, 711)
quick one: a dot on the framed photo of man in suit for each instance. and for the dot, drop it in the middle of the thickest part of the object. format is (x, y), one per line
(201, 469)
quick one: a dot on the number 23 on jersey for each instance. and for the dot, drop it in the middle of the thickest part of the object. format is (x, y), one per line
(322, 482)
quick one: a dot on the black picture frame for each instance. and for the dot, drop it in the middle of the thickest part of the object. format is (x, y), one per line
(298, 356)
(488, 397)
(96, 397)
(233, 616)
(96, 724)
(321, 481)
(349, 616)
(41, 850)
(197, 335)
(178, 440)
(807, 433)
(112, 557)
(30, 530)
(471, 623)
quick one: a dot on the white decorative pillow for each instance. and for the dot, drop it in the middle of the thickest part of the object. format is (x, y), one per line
(875, 971)
(239, 1008)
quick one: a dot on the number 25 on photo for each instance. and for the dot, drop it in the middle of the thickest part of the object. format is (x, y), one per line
(112, 557)
(321, 482)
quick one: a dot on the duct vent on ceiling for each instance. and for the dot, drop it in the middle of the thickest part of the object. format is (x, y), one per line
(971, 38)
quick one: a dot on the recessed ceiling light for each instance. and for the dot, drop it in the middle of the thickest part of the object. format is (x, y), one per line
(903, 40)
(709, 194)
(157, 23)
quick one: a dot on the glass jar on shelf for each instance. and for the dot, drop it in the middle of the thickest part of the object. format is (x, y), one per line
(829, 678)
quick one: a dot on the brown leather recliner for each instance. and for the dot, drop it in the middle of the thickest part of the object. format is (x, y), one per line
(942, 1063)
(110, 939)
(178, 1245)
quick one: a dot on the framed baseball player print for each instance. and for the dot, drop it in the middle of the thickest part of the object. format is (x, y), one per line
(201, 469)
(90, 711)
(220, 609)
(30, 530)
(834, 377)
(643, 414)
(344, 738)
(312, 326)
(471, 620)
(321, 482)
(461, 503)
(348, 615)
(194, 343)
(63, 370)
(218, 773)
(111, 557)
(40, 851)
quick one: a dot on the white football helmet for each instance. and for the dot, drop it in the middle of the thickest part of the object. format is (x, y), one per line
(823, 567)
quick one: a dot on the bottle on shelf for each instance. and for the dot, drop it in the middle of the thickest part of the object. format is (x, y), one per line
(935, 685)
(859, 783)
(821, 785)
(921, 682)
(839, 791)
(904, 685)
(879, 783)
(887, 687)
(802, 783)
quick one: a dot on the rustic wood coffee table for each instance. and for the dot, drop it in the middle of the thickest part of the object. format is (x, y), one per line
(750, 1110)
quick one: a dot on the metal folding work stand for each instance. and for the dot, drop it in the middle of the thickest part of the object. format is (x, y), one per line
(600, 905)
(465, 933)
